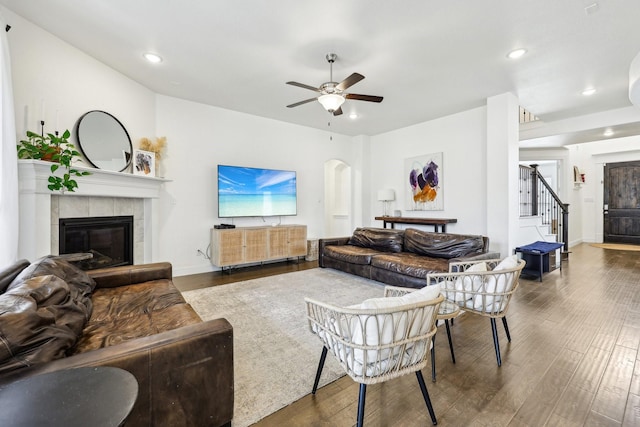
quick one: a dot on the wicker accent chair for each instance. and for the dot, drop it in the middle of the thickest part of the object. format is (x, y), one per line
(380, 339)
(394, 291)
(484, 288)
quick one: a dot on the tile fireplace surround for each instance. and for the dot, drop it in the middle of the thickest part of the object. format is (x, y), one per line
(103, 193)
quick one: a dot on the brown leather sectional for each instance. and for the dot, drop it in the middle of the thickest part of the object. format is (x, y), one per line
(400, 257)
(55, 316)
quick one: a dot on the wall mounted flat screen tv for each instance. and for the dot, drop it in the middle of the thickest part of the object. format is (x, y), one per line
(244, 191)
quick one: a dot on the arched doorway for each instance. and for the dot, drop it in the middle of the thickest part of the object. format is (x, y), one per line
(337, 195)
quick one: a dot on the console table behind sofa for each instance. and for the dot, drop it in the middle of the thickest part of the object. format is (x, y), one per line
(436, 222)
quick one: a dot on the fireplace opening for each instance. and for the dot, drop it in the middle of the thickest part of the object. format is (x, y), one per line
(108, 239)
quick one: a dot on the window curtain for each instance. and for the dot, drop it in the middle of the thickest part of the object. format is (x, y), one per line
(8, 158)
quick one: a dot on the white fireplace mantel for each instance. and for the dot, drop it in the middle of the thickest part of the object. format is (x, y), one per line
(34, 174)
(35, 203)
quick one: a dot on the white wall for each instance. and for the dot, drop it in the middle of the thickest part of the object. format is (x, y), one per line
(462, 140)
(69, 83)
(199, 137)
(549, 171)
(502, 172)
(591, 158)
(567, 192)
(586, 200)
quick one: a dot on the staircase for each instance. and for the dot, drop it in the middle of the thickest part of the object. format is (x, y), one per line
(540, 205)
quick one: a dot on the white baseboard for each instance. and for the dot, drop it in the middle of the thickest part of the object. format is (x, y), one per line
(194, 269)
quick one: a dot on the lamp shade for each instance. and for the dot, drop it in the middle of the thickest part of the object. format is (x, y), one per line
(331, 102)
(386, 195)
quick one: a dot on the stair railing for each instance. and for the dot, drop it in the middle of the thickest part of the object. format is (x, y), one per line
(538, 199)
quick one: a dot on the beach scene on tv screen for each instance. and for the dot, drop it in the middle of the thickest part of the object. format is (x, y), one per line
(244, 191)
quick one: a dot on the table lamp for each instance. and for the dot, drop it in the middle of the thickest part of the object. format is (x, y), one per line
(385, 196)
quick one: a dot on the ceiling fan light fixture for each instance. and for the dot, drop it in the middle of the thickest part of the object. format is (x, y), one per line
(331, 102)
(332, 95)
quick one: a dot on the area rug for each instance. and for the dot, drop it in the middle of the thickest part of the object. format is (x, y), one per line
(275, 354)
(617, 246)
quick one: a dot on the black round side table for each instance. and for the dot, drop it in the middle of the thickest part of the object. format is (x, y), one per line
(91, 396)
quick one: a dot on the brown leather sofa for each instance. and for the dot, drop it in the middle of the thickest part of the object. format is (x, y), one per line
(400, 257)
(55, 316)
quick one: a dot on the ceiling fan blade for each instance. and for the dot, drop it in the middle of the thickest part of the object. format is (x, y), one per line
(301, 102)
(357, 97)
(338, 111)
(304, 86)
(349, 81)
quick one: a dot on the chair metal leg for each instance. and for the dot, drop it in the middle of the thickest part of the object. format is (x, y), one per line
(496, 343)
(433, 356)
(453, 356)
(323, 356)
(425, 394)
(506, 328)
(361, 398)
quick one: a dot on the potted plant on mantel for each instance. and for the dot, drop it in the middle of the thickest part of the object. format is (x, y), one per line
(56, 149)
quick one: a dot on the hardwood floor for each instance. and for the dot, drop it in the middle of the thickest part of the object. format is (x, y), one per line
(573, 359)
(204, 280)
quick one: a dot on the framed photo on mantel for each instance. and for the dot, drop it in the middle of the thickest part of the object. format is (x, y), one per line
(144, 163)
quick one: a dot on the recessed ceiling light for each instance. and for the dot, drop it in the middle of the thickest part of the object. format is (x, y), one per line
(515, 54)
(152, 57)
(588, 92)
(353, 115)
(608, 132)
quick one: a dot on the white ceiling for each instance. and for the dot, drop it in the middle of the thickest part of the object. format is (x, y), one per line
(427, 58)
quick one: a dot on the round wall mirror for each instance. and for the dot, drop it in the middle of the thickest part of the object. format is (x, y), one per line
(104, 141)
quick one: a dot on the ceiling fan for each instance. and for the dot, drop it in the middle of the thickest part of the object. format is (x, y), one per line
(331, 94)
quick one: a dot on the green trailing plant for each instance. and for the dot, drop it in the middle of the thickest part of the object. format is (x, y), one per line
(59, 151)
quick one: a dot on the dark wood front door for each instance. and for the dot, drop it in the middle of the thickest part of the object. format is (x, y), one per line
(622, 202)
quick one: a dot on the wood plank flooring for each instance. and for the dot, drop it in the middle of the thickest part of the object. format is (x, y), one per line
(573, 359)
(204, 280)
